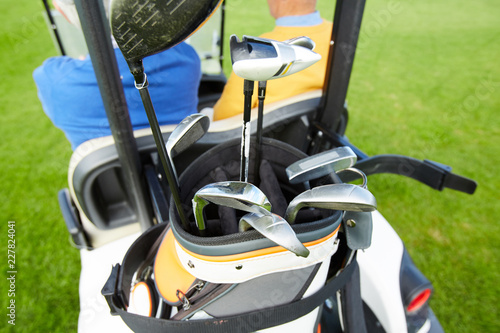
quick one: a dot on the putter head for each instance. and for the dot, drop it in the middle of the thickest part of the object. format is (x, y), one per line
(322, 164)
(275, 228)
(346, 197)
(190, 129)
(238, 195)
(145, 27)
(261, 59)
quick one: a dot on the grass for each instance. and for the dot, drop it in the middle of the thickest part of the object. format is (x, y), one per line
(425, 83)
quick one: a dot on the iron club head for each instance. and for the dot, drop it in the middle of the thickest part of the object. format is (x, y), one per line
(190, 129)
(276, 229)
(346, 197)
(238, 195)
(322, 164)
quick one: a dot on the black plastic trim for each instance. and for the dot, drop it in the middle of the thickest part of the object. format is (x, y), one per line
(72, 220)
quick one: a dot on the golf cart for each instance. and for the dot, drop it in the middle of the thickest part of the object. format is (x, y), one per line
(121, 200)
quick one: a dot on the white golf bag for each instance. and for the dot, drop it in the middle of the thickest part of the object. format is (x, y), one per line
(242, 282)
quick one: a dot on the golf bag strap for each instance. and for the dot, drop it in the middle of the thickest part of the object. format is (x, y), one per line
(433, 174)
(247, 322)
(352, 305)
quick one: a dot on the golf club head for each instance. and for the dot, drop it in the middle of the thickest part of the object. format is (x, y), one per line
(145, 27)
(234, 194)
(190, 129)
(261, 59)
(301, 41)
(186, 133)
(322, 164)
(348, 197)
(276, 229)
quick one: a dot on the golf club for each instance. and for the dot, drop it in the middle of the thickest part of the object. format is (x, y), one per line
(238, 195)
(261, 59)
(190, 129)
(275, 228)
(322, 164)
(53, 26)
(261, 95)
(143, 28)
(346, 197)
(245, 131)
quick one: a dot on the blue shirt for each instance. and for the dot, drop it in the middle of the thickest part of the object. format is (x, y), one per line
(299, 20)
(71, 98)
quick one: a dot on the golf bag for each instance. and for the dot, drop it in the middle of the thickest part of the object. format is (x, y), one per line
(236, 281)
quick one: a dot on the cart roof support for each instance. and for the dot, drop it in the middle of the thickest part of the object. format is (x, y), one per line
(345, 32)
(98, 38)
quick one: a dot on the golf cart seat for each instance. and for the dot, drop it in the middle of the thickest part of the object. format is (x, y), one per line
(96, 208)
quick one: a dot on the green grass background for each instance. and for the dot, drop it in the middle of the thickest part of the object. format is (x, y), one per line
(425, 83)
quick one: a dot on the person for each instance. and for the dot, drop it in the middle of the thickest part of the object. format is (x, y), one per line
(70, 96)
(293, 18)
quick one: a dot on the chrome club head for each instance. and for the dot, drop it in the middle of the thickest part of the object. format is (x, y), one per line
(261, 59)
(276, 229)
(190, 129)
(322, 164)
(238, 195)
(346, 197)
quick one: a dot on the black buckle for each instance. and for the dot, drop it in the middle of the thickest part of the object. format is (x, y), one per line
(111, 292)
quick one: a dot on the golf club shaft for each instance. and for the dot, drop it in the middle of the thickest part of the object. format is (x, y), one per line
(174, 170)
(245, 135)
(260, 119)
(53, 27)
(162, 151)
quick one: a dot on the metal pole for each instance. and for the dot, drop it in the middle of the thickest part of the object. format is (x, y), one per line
(222, 24)
(345, 32)
(98, 37)
(53, 26)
